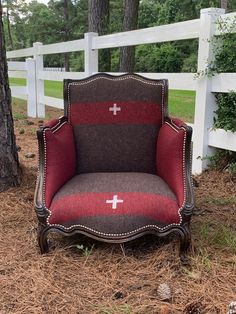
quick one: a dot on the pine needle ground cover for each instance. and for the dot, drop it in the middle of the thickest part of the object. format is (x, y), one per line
(83, 276)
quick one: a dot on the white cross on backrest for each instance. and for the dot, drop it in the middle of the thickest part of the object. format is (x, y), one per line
(114, 109)
(114, 201)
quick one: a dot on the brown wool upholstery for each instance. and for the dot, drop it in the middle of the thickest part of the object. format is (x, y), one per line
(115, 167)
(122, 140)
(145, 200)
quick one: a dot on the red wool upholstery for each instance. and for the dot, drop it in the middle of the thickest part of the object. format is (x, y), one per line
(90, 200)
(116, 122)
(60, 159)
(170, 158)
(99, 113)
(115, 167)
(51, 124)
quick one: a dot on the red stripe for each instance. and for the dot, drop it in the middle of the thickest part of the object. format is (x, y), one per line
(131, 112)
(154, 206)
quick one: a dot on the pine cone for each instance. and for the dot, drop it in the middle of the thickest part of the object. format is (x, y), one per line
(232, 308)
(193, 308)
(164, 292)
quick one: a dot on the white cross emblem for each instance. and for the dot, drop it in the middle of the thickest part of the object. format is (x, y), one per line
(114, 109)
(114, 201)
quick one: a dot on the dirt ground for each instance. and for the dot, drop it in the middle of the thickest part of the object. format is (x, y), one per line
(82, 276)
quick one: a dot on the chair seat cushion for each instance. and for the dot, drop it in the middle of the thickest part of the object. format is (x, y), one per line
(114, 204)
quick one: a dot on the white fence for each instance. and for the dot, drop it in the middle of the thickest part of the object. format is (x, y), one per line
(205, 138)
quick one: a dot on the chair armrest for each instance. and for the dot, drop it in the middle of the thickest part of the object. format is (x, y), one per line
(57, 160)
(174, 160)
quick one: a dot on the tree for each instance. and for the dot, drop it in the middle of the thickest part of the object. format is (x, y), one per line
(9, 165)
(8, 23)
(130, 22)
(98, 22)
(224, 4)
(64, 15)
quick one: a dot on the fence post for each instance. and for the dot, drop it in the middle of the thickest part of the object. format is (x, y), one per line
(90, 55)
(31, 88)
(39, 83)
(205, 104)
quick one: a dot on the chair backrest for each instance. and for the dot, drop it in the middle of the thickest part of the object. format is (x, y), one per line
(116, 120)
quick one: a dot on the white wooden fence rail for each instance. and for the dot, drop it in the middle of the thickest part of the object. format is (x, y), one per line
(205, 138)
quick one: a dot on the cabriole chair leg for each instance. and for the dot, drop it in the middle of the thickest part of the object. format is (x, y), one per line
(42, 239)
(185, 244)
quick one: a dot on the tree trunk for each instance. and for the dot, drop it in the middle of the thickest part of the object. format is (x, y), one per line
(9, 27)
(67, 34)
(130, 22)
(66, 62)
(224, 4)
(98, 21)
(9, 163)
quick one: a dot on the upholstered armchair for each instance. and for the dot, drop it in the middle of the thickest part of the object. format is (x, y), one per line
(116, 166)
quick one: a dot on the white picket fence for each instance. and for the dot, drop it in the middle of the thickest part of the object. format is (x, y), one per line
(205, 138)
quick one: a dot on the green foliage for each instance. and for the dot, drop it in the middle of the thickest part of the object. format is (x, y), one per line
(226, 112)
(35, 22)
(202, 258)
(158, 58)
(77, 61)
(222, 160)
(224, 61)
(148, 13)
(219, 235)
(19, 116)
(86, 251)
(225, 56)
(225, 47)
(190, 63)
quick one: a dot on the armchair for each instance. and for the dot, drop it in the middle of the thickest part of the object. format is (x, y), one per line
(116, 166)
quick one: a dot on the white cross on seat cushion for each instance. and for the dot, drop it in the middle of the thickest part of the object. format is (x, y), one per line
(139, 199)
(114, 201)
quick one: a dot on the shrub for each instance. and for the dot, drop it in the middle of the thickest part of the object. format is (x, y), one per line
(226, 112)
(225, 61)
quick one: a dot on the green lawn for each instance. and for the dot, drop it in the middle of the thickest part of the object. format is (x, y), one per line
(181, 102)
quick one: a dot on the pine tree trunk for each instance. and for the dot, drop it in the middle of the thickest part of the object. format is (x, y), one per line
(67, 35)
(98, 22)
(9, 27)
(130, 22)
(224, 4)
(66, 62)
(9, 163)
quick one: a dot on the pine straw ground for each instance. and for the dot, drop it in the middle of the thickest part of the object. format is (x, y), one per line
(101, 278)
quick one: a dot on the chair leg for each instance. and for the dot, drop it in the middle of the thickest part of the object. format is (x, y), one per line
(42, 239)
(185, 243)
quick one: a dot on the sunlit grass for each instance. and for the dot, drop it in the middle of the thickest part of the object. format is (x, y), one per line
(181, 102)
(219, 235)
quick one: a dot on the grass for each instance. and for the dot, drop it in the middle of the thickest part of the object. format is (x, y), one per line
(52, 88)
(221, 201)
(122, 309)
(19, 116)
(219, 235)
(181, 102)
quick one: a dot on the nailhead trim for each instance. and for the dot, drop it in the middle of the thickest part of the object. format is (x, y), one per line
(118, 79)
(55, 128)
(125, 233)
(114, 234)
